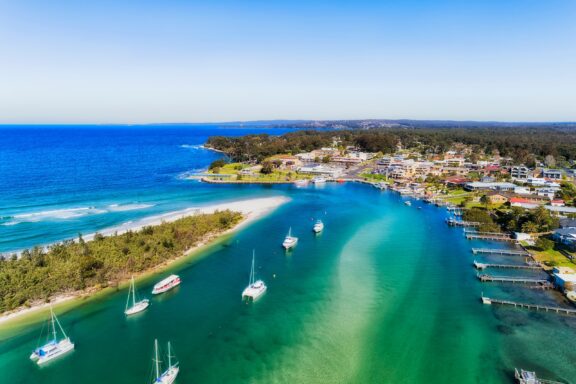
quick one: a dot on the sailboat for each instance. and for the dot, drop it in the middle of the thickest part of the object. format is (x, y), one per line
(255, 288)
(318, 227)
(289, 241)
(137, 306)
(53, 348)
(169, 375)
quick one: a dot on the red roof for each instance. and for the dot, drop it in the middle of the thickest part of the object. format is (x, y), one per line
(521, 200)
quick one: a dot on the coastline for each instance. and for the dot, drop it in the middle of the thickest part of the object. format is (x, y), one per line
(251, 210)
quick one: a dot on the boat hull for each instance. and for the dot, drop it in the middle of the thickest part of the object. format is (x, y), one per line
(254, 291)
(52, 351)
(169, 376)
(288, 244)
(166, 285)
(138, 307)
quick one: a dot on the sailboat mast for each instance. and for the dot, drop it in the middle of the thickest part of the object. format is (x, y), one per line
(252, 270)
(133, 292)
(53, 322)
(169, 357)
(156, 360)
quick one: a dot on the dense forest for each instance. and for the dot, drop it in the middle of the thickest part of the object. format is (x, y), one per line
(524, 144)
(74, 265)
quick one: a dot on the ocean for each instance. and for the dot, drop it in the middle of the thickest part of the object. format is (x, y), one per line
(386, 294)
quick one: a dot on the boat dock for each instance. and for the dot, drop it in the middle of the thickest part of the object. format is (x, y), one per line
(510, 279)
(507, 252)
(478, 265)
(461, 223)
(566, 311)
(488, 236)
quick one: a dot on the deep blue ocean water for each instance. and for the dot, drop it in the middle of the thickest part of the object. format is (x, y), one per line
(58, 181)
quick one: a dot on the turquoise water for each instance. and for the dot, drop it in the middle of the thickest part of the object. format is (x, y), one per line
(386, 294)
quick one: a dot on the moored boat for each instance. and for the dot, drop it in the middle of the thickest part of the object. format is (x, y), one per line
(408, 203)
(166, 284)
(301, 182)
(53, 348)
(170, 374)
(137, 306)
(289, 241)
(318, 226)
(255, 288)
(319, 180)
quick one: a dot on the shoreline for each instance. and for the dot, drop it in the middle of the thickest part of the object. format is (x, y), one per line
(251, 210)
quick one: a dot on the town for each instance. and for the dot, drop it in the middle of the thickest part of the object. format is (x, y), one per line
(490, 192)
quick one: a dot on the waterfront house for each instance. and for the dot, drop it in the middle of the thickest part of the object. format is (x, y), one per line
(565, 278)
(321, 170)
(478, 186)
(567, 223)
(566, 236)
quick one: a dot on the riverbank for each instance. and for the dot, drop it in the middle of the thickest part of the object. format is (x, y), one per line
(251, 210)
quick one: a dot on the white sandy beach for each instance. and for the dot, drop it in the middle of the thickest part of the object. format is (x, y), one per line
(252, 209)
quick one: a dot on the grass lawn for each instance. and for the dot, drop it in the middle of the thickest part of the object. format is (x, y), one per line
(552, 258)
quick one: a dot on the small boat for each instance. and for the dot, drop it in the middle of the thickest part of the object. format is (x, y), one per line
(528, 377)
(289, 241)
(318, 227)
(408, 203)
(137, 306)
(301, 182)
(571, 295)
(169, 375)
(255, 288)
(166, 284)
(53, 348)
(319, 180)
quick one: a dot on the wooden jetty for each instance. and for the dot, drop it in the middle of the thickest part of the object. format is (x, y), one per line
(479, 265)
(494, 251)
(488, 236)
(510, 279)
(566, 311)
(461, 223)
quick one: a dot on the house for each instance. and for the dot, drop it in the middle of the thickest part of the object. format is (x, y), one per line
(496, 198)
(553, 174)
(567, 223)
(546, 192)
(523, 202)
(522, 191)
(456, 181)
(321, 170)
(565, 278)
(477, 186)
(557, 203)
(520, 172)
(566, 236)
(288, 161)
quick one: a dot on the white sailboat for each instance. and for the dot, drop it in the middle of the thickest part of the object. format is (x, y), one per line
(289, 241)
(169, 375)
(255, 288)
(53, 348)
(318, 227)
(137, 306)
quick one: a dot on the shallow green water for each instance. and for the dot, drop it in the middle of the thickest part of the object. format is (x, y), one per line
(386, 294)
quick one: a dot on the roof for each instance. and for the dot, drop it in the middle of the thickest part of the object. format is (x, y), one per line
(566, 277)
(561, 209)
(565, 231)
(568, 223)
(523, 200)
(478, 184)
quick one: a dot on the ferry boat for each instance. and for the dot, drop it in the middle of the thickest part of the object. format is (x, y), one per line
(319, 180)
(255, 288)
(137, 306)
(289, 241)
(170, 374)
(53, 348)
(318, 227)
(166, 284)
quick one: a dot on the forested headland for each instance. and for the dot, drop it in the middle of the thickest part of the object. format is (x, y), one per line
(69, 266)
(524, 144)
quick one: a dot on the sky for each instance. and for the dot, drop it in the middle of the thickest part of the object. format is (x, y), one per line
(152, 61)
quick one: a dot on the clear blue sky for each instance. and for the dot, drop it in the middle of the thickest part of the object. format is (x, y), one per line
(104, 61)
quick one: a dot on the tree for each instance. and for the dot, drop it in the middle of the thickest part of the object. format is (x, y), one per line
(217, 164)
(529, 227)
(544, 244)
(485, 200)
(267, 168)
(550, 161)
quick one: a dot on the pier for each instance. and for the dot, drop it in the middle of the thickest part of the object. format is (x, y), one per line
(488, 236)
(461, 223)
(566, 311)
(494, 251)
(478, 265)
(510, 279)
